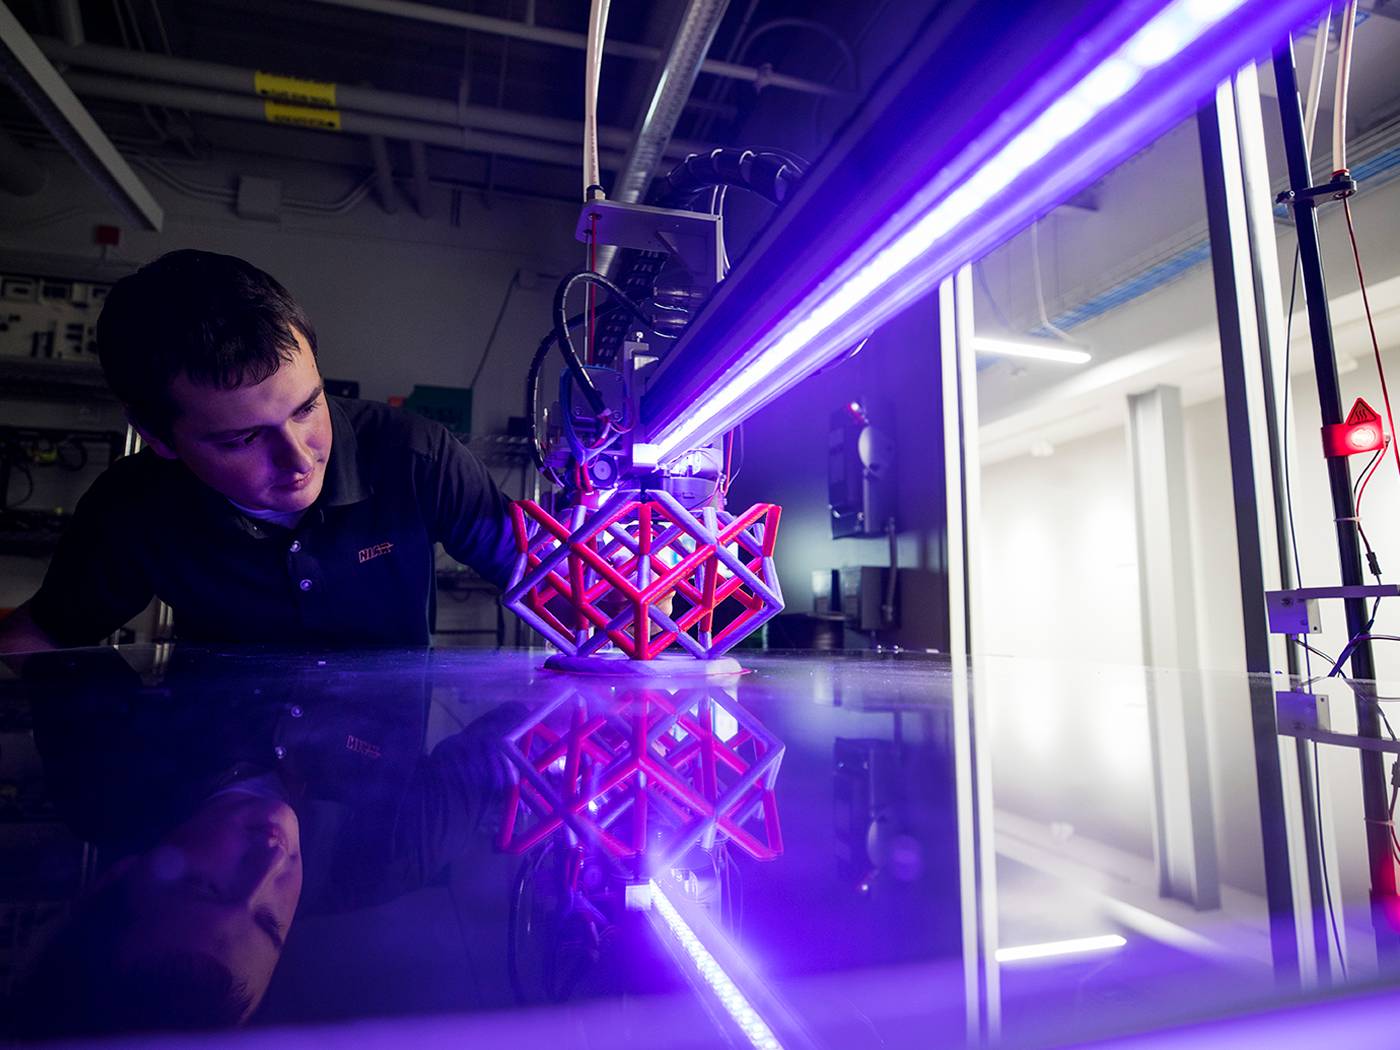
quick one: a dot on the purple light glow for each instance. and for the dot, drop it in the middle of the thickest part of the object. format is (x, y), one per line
(1128, 98)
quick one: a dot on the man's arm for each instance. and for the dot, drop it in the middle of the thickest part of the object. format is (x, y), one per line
(470, 515)
(96, 580)
(19, 633)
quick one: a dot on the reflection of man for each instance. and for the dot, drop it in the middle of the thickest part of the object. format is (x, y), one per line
(184, 935)
(263, 509)
(224, 795)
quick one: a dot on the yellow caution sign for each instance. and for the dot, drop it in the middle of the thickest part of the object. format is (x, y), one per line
(294, 89)
(302, 116)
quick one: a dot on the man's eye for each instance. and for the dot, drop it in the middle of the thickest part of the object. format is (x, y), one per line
(241, 441)
(306, 410)
(202, 888)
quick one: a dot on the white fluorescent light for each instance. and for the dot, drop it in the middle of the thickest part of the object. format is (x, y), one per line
(1041, 351)
(1051, 948)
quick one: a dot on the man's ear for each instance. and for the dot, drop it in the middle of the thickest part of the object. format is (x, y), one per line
(160, 447)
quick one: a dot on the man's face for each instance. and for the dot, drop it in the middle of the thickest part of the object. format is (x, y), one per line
(264, 446)
(225, 884)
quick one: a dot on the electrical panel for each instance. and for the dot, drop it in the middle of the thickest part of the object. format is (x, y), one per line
(49, 318)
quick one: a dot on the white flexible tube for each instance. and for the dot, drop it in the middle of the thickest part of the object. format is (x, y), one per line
(597, 29)
(1339, 108)
(1319, 64)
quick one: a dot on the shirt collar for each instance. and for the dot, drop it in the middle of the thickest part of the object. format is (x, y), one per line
(346, 479)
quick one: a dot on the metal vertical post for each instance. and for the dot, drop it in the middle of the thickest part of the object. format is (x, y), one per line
(1184, 819)
(1246, 366)
(1373, 778)
(959, 470)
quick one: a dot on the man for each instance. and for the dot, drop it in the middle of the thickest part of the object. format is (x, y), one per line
(262, 510)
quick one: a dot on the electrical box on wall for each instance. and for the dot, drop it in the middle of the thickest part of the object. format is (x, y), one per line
(49, 318)
(860, 471)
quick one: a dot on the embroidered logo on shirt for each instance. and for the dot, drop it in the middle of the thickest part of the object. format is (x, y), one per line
(361, 747)
(369, 553)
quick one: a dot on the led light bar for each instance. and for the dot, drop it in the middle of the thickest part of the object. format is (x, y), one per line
(1046, 351)
(1053, 948)
(1130, 72)
(711, 974)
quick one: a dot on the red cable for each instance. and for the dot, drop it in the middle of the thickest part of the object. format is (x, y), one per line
(1365, 480)
(1375, 344)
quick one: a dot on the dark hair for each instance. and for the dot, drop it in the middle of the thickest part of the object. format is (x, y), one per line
(79, 985)
(218, 320)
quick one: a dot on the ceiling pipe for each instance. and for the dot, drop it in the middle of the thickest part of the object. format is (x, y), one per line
(418, 157)
(761, 76)
(674, 82)
(70, 22)
(243, 107)
(243, 81)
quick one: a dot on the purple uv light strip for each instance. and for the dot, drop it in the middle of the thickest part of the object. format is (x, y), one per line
(1159, 96)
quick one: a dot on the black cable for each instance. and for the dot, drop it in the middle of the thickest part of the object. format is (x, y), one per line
(1287, 474)
(738, 453)
(5, 503)
(1361, 475)
(1322, 862)
(562, 326)
(496, 327)
(532, 382)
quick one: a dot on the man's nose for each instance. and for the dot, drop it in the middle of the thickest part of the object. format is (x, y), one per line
(292, 454)
(261, 864)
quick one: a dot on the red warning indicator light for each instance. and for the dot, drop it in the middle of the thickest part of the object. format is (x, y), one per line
(1362, 432)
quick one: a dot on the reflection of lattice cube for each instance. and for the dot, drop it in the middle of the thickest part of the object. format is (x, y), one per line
(608, 577)
(644, 773)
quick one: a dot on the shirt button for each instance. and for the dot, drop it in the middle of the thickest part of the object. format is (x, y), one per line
(305, 585)
(296, 546)
(280, 752)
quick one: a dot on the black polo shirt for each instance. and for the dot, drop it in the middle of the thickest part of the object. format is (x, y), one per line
(357, 569)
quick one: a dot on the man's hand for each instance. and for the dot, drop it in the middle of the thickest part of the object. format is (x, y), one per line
(20, 634)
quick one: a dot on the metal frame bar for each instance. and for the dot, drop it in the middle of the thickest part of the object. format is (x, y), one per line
(1254, 444)
(1183, 815)
(959, 473)
(1373, 775)
(37, 82)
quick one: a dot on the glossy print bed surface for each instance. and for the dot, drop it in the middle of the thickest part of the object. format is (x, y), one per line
(821, 898)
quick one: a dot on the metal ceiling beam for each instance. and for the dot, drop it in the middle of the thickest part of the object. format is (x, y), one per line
(37, 82)
(761, 76)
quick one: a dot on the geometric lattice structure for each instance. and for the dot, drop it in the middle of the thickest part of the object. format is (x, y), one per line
(644, 773)
(644, 574)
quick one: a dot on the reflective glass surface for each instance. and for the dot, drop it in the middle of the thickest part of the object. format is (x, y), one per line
(834, 850)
